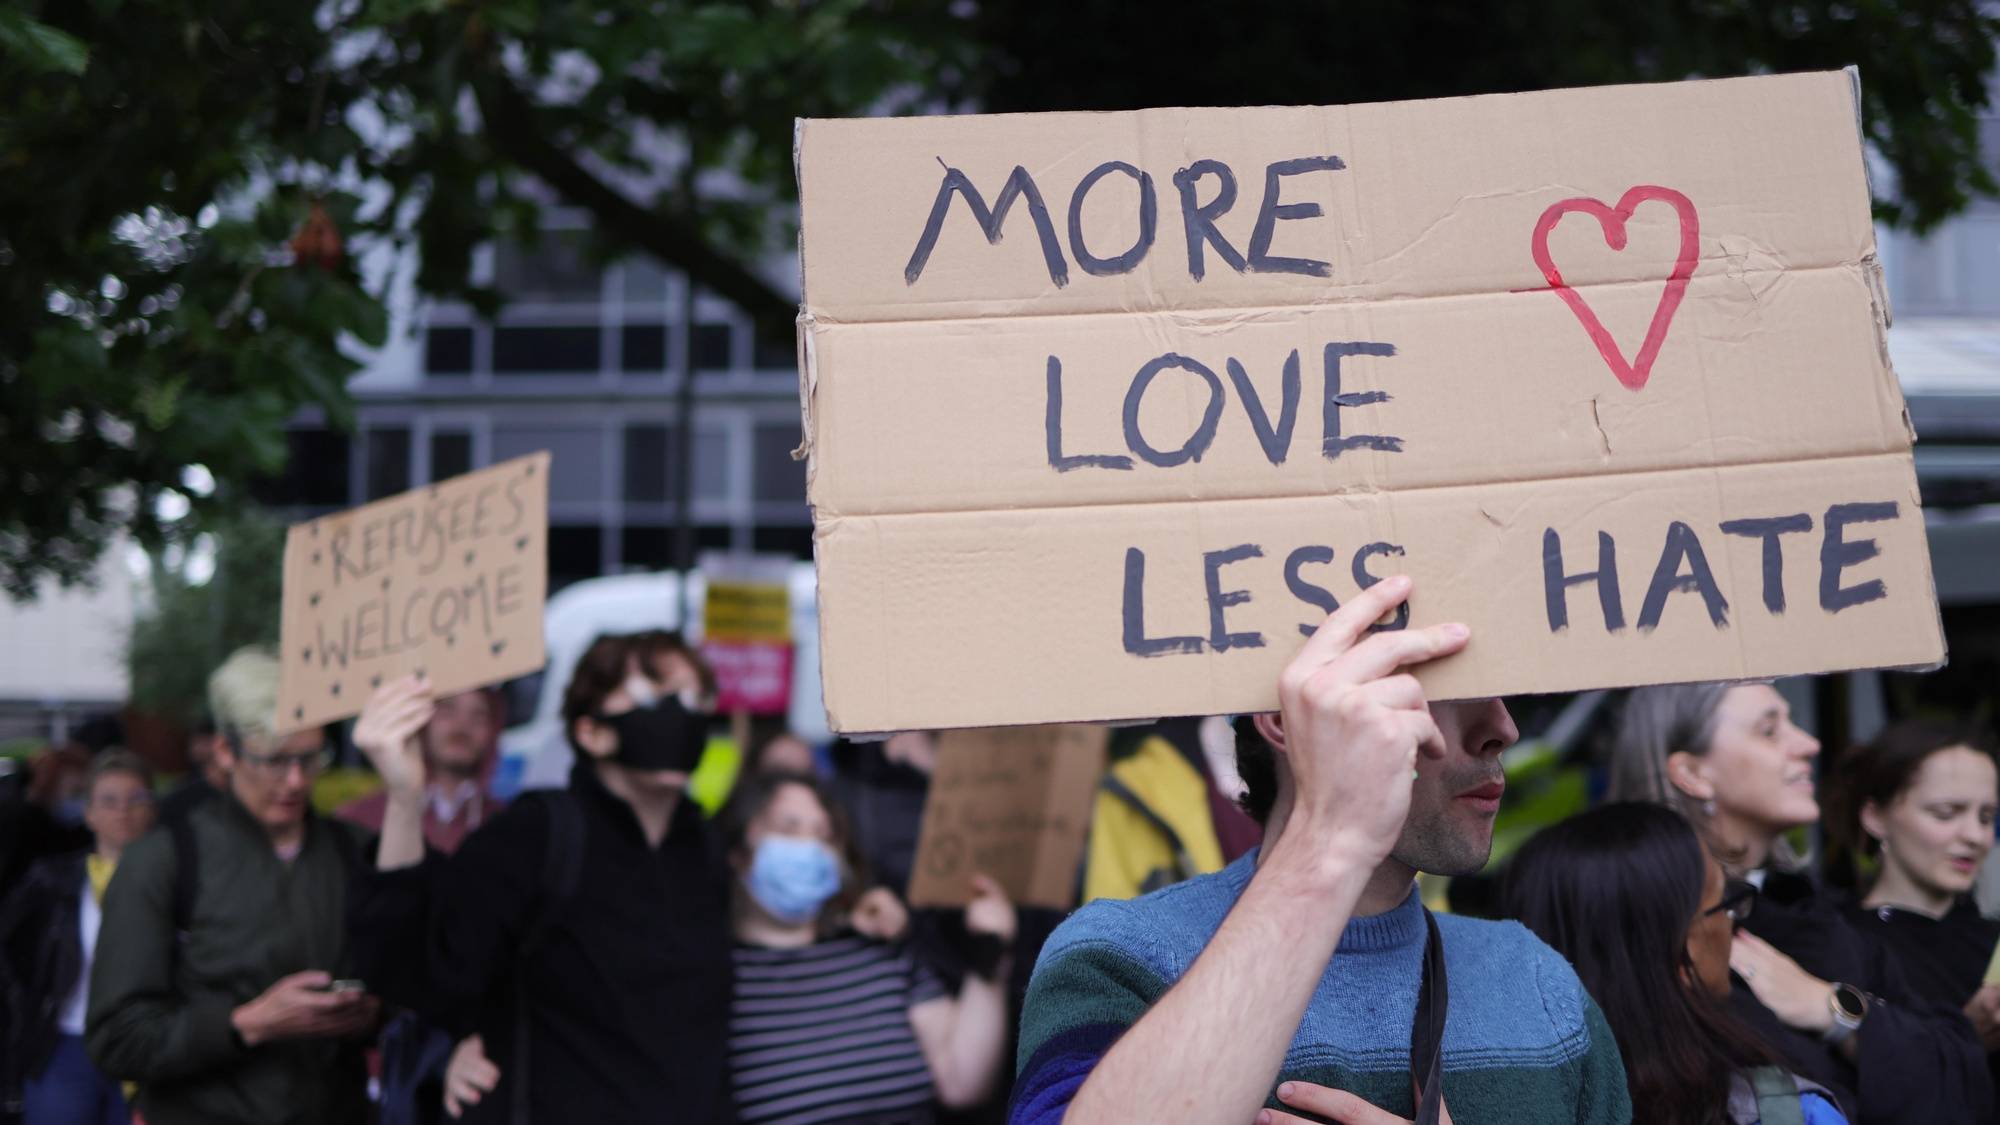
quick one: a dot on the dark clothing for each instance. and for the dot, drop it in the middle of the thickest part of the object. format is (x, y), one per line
(29, 832)
(160, 1002)
(885, 802)
(1917, 1061)
(626, 989)
(189, 795)
(1944, 958)
(43, 957)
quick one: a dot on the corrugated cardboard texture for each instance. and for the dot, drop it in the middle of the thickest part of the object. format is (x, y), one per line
(1057, 476)
(448, 580)
(1013, 805)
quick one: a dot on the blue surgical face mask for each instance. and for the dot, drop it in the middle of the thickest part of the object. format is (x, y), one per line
(792, 877)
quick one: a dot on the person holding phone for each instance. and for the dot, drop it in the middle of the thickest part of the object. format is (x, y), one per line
(214, 985)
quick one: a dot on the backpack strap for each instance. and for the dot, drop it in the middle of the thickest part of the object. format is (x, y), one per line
(1427, 1029)
(1778, 1100)
(562, 870)
(187, 873)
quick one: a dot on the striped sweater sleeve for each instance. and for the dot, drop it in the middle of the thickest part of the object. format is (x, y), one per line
(1602, 1096)
(1087, 989)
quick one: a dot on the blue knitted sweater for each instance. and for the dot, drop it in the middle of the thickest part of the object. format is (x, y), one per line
(1523, 1042)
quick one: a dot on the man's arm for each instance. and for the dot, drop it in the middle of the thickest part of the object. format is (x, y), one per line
(1211, 1048)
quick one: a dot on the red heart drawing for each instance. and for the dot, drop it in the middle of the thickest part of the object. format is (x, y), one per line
(1612, 220)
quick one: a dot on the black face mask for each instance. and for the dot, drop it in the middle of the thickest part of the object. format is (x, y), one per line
(665, 736)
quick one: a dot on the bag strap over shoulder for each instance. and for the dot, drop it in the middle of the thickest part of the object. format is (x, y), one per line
(562, 871)
(1427, 1029)
(1777, 1096)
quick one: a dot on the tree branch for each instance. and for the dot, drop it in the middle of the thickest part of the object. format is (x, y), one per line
(511, 126)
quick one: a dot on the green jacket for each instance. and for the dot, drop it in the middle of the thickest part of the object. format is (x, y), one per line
(160, 1005)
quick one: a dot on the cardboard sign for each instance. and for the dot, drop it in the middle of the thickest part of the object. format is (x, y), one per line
(448, 580)
(1013, 804)
(1105, 411)
(747, 631)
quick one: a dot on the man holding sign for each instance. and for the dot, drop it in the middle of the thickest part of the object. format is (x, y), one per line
(1284, 968)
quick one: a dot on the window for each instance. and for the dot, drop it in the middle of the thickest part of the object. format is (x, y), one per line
(448, 351)
(576, 468)
(767, 354)
(545, 351)
(652, 547)
(711, 463)
(388, 461)
(712, 347)
(451, 453)
(649, 472)
(551, 268)
(644, 279)
(576, 552)
(778, 479)
(315, 474)
(644, 349)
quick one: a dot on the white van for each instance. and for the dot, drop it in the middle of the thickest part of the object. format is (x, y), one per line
(534, 754)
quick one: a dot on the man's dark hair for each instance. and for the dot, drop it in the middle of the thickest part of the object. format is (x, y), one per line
(1257, 764)
(655, 643)
(600, 671)
(1615, 890)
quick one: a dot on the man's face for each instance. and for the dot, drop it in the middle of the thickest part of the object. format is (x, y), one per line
(274, 782)
(461, 732)
(1454, 799)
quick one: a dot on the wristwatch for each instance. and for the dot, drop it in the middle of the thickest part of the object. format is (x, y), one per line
(1850, 1006)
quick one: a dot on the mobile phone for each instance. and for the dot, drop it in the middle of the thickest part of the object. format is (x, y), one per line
(346, 986)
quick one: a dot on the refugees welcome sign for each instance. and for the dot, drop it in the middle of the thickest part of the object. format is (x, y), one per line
(1106, 411)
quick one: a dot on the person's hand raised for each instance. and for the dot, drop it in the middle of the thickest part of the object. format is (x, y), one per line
(990, 912)
(1355, 722)
(880, 915)
(388, 728)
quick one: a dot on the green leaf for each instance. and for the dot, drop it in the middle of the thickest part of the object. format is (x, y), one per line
(39, 46)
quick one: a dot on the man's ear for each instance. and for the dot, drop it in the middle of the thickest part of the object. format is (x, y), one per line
(593, 738)
(1271, 725)
(221, 752)
(1689, 774)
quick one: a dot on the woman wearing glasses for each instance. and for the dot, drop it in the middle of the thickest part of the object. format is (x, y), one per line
(1829, 998)
(223, 938)
(1628, 895)
(48, 933)
(1920, 802)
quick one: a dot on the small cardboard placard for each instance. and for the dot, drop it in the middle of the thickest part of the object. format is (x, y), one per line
(1106, 411)
(1011, 803)
(447, 580)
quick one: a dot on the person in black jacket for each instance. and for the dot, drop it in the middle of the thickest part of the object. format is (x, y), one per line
(1921, 800)
(1832, 1001)
(579, 941)
(48, 932)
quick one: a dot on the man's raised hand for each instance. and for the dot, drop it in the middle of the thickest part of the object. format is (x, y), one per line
(387, 732)
(1355, 722)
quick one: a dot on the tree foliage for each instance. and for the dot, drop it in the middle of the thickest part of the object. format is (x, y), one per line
(209, 596)
(160, 155)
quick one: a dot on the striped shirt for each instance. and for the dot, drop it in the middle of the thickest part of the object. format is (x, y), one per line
(822, 1034)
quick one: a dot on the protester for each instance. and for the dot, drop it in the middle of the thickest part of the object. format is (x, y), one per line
(883, 786)
(46, 817)
(1191, 1003)
(583, 934)
(48, 935)
(1921, 800)
(1833, 1002)
(221, 983)
(783, 752)
(460, 745)
(1627, 894)
(830, 1025)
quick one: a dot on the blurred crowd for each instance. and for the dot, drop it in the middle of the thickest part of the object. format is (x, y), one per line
(1761, 929)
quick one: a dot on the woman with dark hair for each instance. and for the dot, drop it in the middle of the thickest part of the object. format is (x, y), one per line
(1629, 896)
(1921, 801)
(827, 1024)
(1832, 1001)
(578, 943)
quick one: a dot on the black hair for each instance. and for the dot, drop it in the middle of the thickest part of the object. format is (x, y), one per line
(1616, 890)
(1257, 765)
